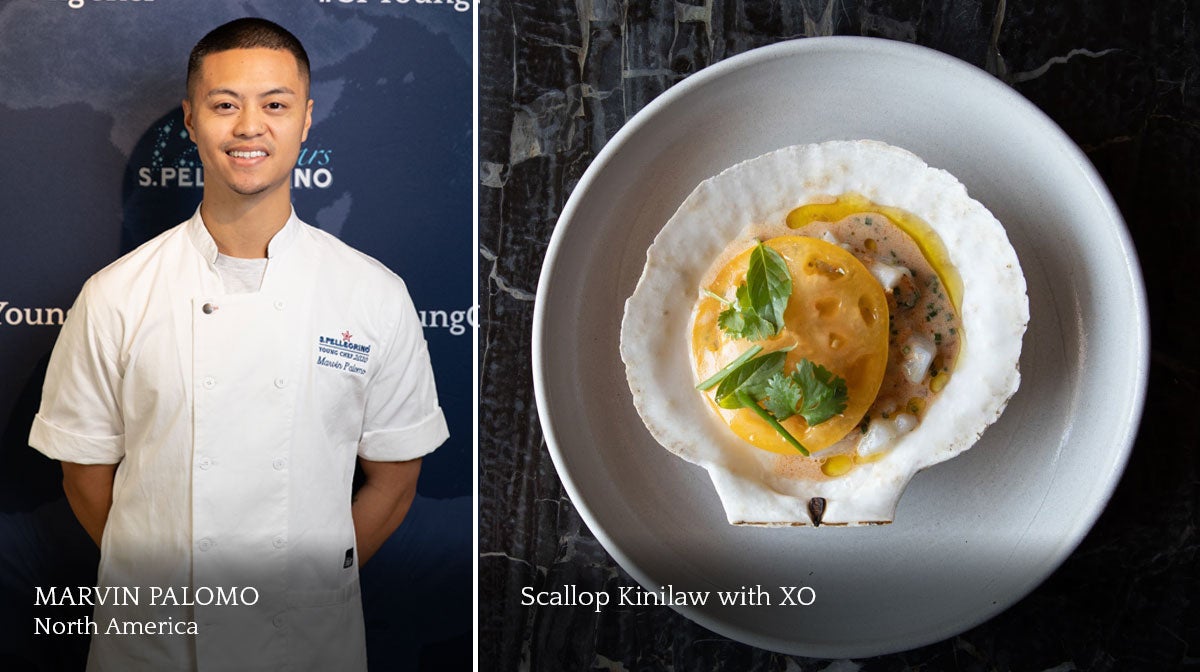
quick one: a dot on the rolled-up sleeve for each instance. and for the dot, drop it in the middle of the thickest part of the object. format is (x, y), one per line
(403, 420)
(79, 419)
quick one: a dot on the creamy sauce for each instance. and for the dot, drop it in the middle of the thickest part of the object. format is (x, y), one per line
(924, 303)
(927, 240)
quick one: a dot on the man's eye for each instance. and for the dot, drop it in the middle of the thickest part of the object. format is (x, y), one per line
(224, 107)
(276, 106)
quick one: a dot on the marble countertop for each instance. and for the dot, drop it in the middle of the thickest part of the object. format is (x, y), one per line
(558, 79)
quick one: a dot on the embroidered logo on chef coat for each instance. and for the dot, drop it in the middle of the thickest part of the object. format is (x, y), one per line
(343, 353)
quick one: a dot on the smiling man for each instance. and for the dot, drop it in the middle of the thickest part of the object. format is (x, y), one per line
(211, 392)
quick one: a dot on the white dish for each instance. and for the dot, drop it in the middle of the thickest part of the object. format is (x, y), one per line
(972, 535)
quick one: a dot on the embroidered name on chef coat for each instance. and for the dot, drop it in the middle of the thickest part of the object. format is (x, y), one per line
(343, 353)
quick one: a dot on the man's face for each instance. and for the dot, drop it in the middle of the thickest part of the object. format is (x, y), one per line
(248, 111)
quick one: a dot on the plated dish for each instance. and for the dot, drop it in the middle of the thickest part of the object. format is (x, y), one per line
(971, 535)
(857, 318)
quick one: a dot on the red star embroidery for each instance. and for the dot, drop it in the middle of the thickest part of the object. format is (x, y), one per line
(347, 335)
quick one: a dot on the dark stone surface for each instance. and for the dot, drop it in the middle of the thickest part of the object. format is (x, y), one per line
(558, 79)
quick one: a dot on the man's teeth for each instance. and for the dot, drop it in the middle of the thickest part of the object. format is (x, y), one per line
(247, 155)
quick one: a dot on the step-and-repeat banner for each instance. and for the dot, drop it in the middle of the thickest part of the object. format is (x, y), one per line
(94, 160)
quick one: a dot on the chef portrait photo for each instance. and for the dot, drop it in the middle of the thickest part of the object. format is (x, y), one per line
(257, 398)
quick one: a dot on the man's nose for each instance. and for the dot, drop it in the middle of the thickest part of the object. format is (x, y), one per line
(249, 123)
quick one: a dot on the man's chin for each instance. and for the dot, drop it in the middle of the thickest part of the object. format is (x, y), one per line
(250, 190)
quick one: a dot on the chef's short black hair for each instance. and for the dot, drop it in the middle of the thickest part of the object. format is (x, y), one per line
(247, 33)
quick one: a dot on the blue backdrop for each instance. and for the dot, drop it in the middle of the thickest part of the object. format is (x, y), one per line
(95, 161)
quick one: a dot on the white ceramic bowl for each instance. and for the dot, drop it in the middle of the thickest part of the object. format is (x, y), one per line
(972, 535)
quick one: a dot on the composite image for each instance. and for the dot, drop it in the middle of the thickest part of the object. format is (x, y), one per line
(422, 335)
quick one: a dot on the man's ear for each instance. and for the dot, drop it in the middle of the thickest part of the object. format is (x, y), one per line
(187, 118)
(307, 120)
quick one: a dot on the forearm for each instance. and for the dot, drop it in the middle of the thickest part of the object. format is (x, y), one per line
(382, 503)
(89, 490)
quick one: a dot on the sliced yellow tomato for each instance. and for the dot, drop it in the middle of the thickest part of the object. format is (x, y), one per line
(837, 317)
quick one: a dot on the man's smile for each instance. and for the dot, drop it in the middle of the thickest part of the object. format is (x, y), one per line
(247, 155)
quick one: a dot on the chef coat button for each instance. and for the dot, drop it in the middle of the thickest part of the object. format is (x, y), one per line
(205, 462)
(279, 542)
(279, 305)
(281, 383)
(208, 308)
(279, 463)
(210, 383)
(205, 544)
(278, 621)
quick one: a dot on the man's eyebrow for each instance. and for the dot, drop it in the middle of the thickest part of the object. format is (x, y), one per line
(222, 92)
(277, 91)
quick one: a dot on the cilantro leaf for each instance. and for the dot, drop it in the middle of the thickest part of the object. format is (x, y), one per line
(757, 314)
(824, 394)
(742, 319)
(812, 391)
(732, 320)
(783, 396)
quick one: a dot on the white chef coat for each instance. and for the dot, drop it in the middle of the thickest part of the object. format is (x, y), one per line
(236, 420)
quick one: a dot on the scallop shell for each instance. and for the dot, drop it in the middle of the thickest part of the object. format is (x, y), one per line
(731, 206)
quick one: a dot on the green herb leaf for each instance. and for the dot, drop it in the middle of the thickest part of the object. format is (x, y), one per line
(733, 319)
(729, 368)
(783, 396)
(812, 391)
(824, 394)
(742, 320)
(757, 314)
(751, 377)
(770, 284)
